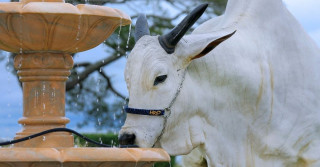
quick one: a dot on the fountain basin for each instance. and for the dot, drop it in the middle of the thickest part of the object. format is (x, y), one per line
(81, 157)
(56, 26)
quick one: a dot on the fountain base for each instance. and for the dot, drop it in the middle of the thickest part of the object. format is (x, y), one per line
(81, 157)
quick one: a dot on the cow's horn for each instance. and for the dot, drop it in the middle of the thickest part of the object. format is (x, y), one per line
(142, 27)
(170, 40)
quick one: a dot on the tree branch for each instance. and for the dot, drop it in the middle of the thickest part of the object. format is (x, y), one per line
(72, 82)
(110, 86)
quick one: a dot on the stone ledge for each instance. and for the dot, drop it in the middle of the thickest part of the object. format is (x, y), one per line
(88, 157)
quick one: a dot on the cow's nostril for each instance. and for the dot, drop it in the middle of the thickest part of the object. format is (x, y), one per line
(127, 139)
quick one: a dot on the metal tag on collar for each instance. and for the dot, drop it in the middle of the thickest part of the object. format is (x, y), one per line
(152, 112)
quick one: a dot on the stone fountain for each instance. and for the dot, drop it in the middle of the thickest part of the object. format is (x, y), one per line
(44, 34)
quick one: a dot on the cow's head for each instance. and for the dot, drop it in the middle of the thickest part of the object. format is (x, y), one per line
(154, 72)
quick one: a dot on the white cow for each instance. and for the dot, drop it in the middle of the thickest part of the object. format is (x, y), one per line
(251, 101)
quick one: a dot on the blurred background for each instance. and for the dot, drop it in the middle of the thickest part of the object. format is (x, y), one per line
(96, 92)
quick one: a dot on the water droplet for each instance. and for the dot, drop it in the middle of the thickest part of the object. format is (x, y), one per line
(43, 138)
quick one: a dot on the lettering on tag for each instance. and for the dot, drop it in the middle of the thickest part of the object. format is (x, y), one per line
(155, 112)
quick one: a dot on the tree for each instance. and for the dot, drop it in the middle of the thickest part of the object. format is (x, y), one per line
(89, 89)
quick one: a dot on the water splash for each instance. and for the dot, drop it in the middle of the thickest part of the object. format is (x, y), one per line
(118, 40)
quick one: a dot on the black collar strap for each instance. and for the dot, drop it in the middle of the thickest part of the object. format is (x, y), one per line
(144, 111)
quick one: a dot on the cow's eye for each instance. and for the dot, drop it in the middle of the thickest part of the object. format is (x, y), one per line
(159, 79)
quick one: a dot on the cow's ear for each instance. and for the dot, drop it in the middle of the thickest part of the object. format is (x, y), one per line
(212, 45)
(198, 45)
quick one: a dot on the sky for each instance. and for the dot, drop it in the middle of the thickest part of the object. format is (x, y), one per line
(306, 11)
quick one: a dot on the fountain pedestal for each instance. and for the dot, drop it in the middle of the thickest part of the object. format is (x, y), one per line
(44, 34)
(43, 77)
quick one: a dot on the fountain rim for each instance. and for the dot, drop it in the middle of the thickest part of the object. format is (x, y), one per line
(58, 8)
(83, 154)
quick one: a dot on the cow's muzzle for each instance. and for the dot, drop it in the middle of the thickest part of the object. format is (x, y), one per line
(127, 139)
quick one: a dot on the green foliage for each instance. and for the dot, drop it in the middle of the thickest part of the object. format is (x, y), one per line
(112, 139)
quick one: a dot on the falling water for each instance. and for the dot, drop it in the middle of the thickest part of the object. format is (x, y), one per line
(99, 122)
(8, 67)
(128, 37)
(118, 40)
(128, 40)
(20, 34)
(78, 33)
(79, 26)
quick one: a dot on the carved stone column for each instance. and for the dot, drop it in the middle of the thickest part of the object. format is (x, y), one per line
(43, 77)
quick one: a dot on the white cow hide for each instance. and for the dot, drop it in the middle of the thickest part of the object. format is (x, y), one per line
(252, 101)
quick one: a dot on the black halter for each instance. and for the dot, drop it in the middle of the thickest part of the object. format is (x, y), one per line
(144, 111)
